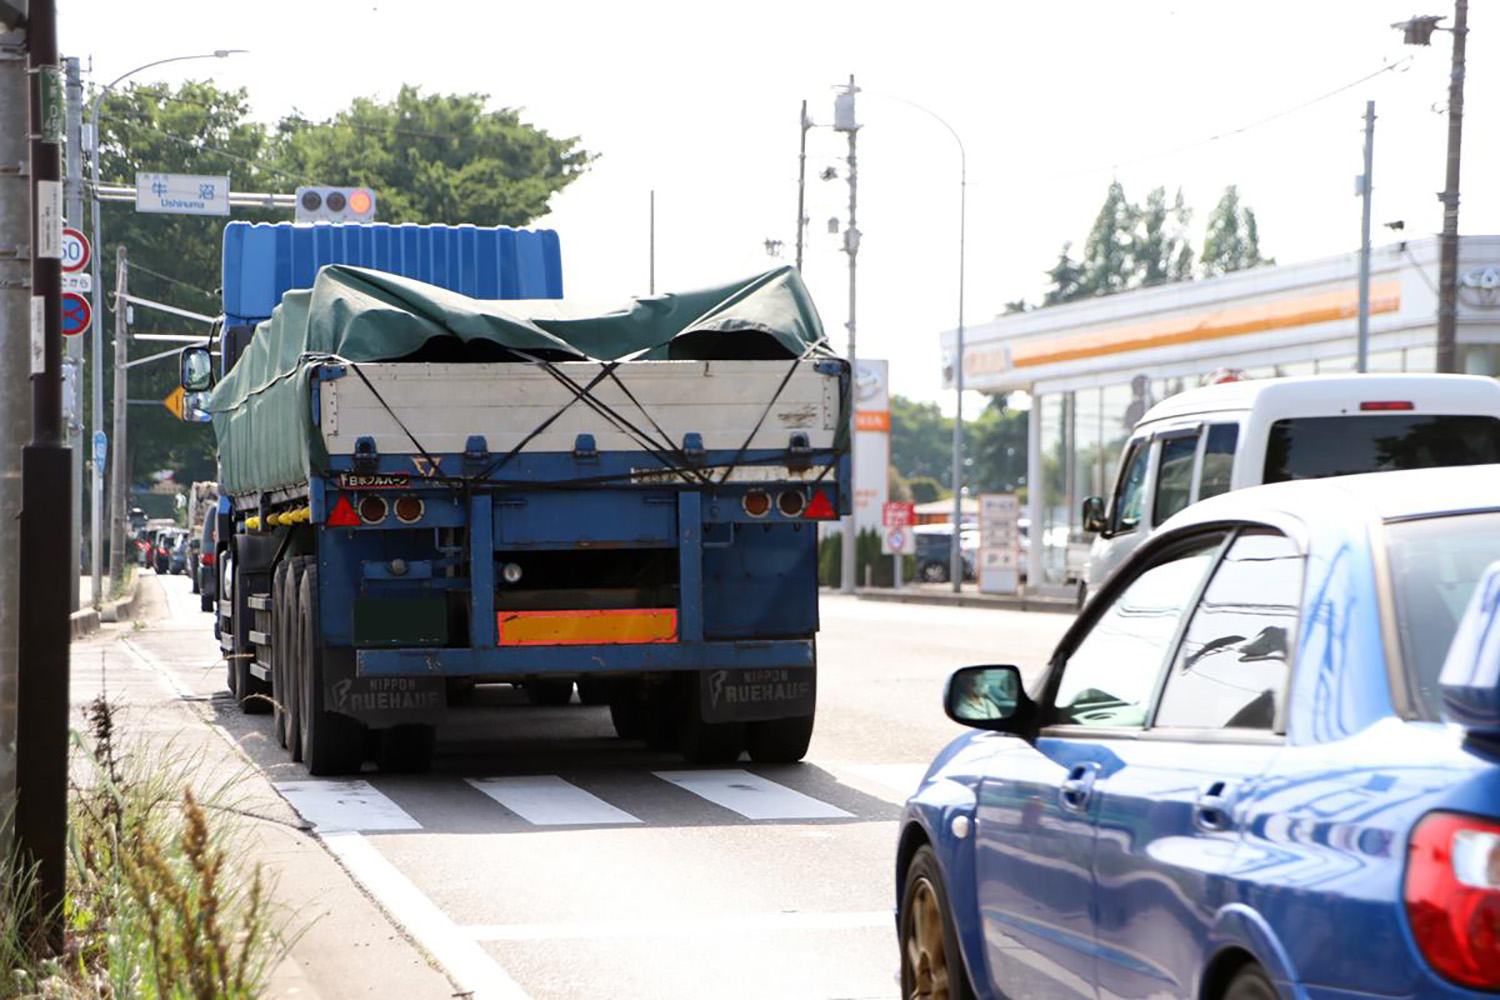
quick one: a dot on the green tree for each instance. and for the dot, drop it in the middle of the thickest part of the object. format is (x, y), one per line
(1232, 242)
(1159, 247)
(1107, 262)
(1066, 278)
(925, 489)
(921, 440)
(995, 449)
(435, 158)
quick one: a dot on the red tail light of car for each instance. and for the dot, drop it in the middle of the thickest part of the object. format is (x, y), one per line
(208, 559)
(1453, 897)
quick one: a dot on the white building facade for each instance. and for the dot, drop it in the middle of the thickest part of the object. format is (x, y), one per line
(1092, 368)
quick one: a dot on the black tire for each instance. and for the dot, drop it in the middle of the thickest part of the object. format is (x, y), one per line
(1251, 983)
(292, 682)
(331, 743)
(226, 586)
(594, 690)
(250, 691)
(779, 741)
(205, 601)
(549, 691)
(934, 572)
(283, 651)
(931, 963)
(406, 749)
(707, 742)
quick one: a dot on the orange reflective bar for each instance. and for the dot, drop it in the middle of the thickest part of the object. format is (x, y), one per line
(587, 628)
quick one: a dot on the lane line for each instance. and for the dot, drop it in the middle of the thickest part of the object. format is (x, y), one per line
(548, 800)
(693, 927)
(469, 964)
(752, 796)
(338, 806)
(902, 779)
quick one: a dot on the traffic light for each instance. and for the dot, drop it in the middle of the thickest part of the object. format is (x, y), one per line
(335, 204)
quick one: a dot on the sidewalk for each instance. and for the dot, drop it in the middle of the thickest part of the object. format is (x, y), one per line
(968, 597)
(168, 691)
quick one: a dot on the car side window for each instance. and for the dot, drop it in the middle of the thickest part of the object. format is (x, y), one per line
(1109, 677)
(1174, 476)
(1218, 460)
(1132, 488)
(1231, 670)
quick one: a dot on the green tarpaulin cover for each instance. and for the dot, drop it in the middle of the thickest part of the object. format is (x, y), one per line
(262, 418)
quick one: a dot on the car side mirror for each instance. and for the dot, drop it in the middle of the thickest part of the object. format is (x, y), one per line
(1093, 515)
(1470, 678)
(988, 697)
(197, 369)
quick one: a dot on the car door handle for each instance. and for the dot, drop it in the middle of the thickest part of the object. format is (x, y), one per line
(1214, 810)
(1074, 792)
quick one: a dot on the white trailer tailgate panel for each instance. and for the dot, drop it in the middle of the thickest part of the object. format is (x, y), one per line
(443, 404)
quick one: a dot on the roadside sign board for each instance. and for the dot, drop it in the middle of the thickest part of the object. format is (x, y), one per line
(101, 451)
(173, 401)
(76, 314)
(182, 194)
(83, 282)
(897, 515)
(75, 251)
(898, 541)
(999, 543)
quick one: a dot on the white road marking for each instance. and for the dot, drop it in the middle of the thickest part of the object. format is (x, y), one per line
(470, 966)
(692, 927)
(752, 796)
(902, 779)
(336, 806)
(547, 800)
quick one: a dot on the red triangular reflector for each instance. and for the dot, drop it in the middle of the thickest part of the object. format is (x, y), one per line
(342, 515)
(821, 508)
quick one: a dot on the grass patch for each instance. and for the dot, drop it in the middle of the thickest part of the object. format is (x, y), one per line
(161, 901)
(119, 588)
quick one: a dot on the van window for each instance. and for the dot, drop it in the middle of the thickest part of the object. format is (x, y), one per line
(1131, 490)
(1174, 476)
(1315, 447)
(1218, 460)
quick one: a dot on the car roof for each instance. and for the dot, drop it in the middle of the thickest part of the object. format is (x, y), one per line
(1339, 500)
(1471, 390)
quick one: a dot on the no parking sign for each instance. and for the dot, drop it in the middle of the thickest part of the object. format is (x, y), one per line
(76, 314)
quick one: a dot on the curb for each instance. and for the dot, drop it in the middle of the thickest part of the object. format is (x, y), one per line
(86, 621)
(990, 601)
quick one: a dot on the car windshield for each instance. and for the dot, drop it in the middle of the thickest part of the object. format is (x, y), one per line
(1315, 447)
(1434, 564)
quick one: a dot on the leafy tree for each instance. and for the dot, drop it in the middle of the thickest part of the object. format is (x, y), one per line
(1107, 263)
(921, 440)
(1018, 306)
(1066, 277)
(435, 158)
(995, 449)
(1232, 242)
(925, 489)
(1159, 248)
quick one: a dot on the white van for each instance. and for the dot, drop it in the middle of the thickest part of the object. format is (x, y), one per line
(1204, 442)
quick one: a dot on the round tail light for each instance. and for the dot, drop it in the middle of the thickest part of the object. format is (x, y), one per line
(409, 510)
(372, 510)
(757, 503)
(791, 502)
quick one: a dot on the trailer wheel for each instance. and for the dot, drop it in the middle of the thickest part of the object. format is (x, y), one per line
(281, 652)
(405, 749)
(251, 692)
(549, 691)
(331, 743)
(779, 741)
(706, 742)
(226, 593)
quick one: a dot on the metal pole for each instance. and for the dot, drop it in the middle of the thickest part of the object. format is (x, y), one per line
(851, 247)
(73, 212)
(802, 186)
(956, 565)
(42, 726)
(652, 250)
(1366, 185)
(1447, 339)
(119, 468)
(96, 403)
(15, 368)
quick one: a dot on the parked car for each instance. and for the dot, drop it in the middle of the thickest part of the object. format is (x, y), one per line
(178, 554)
(1203, 442)
(1246, 772)
(935, 547)
(208, 564)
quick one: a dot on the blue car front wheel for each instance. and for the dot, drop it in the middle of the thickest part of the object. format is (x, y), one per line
(931, 966)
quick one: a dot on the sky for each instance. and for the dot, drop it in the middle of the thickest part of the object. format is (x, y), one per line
(700, 101)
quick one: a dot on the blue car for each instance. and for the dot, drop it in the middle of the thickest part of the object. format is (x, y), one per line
(1247, 771)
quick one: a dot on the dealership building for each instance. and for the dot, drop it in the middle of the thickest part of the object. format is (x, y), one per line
(1092, 368)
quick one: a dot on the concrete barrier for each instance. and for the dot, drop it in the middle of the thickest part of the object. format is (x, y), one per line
(86, 621)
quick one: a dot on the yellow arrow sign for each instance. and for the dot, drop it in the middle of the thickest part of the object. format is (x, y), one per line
(173, 402)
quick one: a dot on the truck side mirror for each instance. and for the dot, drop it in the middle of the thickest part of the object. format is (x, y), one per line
(197, 369)
(1093, 515)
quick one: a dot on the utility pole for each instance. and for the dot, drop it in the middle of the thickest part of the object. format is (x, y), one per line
(73, 406)
(119, 468)
(42, 725)
(1366, 186)
(651, 251)
(1447, 345)
(844, 121)
(802, 186)
(15, 368)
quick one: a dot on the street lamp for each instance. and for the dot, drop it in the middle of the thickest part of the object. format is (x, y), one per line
(955, 552)
(97, 493)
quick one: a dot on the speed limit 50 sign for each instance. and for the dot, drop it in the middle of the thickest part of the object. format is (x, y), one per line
(75, 251)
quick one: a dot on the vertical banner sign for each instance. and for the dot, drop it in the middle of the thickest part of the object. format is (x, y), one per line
(38, 335)
(897, 539)
(49, 219)
(872, 442)
(999, 543)
(101, 451)
(54, 105)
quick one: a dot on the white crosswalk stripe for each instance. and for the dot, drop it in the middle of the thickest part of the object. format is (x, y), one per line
(897, 781)
(357, 806)
(752, 796)
(547, 800)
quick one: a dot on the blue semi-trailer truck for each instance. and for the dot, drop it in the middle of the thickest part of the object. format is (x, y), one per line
(436, 472)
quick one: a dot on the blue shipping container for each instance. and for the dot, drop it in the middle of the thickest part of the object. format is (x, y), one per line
(263, 260)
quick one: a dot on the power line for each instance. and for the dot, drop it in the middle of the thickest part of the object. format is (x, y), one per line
(176, 281)
(200, 145)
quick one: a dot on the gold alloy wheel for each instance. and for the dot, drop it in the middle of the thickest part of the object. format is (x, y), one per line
(926, 960)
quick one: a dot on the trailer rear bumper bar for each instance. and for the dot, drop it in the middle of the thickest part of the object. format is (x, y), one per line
(514, 662)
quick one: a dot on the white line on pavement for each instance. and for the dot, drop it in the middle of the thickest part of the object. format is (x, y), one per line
(900, 779)
(752, 796)
(469, 965)
(547, 800)
(690, 927)
(335, 806)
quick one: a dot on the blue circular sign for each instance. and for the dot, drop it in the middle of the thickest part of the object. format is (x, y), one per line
(76, 314)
